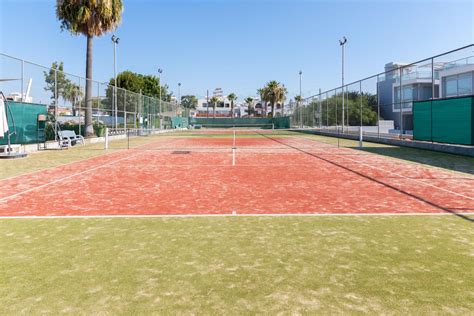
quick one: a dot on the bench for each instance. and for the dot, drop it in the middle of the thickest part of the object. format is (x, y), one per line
(69, 138)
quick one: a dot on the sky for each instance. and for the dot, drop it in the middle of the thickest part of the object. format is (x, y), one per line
(240, 45)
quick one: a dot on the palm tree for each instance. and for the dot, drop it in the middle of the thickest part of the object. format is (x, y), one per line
(249, 102)
(275, 92)
(232, 97)
(72, 93)
(263, 97)
(214, 101)
(89, 18)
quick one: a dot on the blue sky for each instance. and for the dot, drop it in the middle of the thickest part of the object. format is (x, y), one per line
(240, 45)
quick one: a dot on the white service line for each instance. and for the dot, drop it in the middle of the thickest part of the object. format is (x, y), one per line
(65, 178)
(234, 215)
(396, 174)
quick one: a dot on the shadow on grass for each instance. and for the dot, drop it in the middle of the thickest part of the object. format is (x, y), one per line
(442, 160)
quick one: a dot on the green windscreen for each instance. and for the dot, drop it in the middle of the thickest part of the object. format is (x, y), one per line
(447, 121)
(278, 122)
(25, 116)
(422, 120)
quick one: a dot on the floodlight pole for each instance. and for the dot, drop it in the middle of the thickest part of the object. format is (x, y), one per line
(115, 40)
(342, 43)
(299, 102)
(179, 100)
(160, 71)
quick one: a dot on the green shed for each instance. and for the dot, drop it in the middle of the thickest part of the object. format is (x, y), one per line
(449, 120)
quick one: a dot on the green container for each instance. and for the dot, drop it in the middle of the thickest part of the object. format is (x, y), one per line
(25, 116)
(449, 120)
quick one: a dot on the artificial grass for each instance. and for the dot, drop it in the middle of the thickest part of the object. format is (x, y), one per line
(237, 265)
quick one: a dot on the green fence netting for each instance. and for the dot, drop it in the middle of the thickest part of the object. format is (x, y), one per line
(25, 116)
(449, 120)
(278, 122)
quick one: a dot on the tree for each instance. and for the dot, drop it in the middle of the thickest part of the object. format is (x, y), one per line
(262, 92)
(356, 103)
(147, 85)
(214, 101)
(72, 93)
(249, 101)
(275, 92)
(56, 80)
(189, 101)
(89, 18)
(232, 97)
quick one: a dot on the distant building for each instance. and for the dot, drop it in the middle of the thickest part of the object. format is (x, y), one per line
(397, 91)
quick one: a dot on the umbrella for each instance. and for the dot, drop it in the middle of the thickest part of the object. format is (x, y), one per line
(3, 119)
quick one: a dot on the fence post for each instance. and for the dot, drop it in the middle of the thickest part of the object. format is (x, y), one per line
(55, 104)
(79, 112)
(125, 108)
(361, 132)
(401, 103)
(432, 98)
(106, 145)
(378, 108)
(22, 80)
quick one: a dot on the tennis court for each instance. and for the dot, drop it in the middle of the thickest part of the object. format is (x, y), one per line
(232, 171)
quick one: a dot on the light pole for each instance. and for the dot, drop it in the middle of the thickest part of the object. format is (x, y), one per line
(179, 100)
(342, 43)
(179, 92)
(299, 102)
(115, 40)
(160, 71)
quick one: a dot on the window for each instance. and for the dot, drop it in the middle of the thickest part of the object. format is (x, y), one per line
(465, 84)
(458, 85)
(408, 93)
(451, 86)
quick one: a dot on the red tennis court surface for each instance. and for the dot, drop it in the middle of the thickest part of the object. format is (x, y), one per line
(272, 175)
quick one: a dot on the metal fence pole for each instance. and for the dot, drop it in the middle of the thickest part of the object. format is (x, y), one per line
(432, 98)
(55, 104)
(327, 111)
(401, 104)
(378, 108)
(361, 133)
(79, 112)
(125, 108)
(22, 80)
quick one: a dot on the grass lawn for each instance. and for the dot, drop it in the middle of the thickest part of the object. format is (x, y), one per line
(235, 265)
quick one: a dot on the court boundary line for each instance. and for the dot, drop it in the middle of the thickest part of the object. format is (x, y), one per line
(6, 198)
(308, 137)
(414, 196)
(374, 167)
(385, 214)
(62, 165)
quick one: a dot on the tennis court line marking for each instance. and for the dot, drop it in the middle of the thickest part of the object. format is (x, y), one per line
(407, 178)
(330, 145)
(65, 178)
(230, 215)
(391, 172)
(62, 165)
(388, 185)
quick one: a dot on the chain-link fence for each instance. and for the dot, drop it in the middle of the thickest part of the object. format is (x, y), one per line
(64, 95)
(382, 105)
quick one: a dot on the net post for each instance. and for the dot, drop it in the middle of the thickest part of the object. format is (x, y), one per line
(106, 143)
(360, 137)
(273, 126)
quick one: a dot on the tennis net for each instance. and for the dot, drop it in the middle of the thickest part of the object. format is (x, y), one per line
(197, 137)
